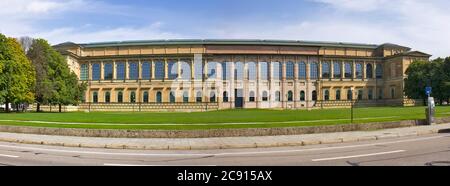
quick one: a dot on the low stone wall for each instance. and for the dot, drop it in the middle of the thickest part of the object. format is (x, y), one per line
(214, 132)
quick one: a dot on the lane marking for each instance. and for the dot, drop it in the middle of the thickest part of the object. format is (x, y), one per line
(192, 124)
(358, 156)
(8, 156)
(133, 165)
(219, 154)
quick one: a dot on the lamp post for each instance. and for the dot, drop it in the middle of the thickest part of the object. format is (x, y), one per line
(351, 90)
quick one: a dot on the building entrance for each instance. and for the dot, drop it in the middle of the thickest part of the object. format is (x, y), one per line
(239, 98)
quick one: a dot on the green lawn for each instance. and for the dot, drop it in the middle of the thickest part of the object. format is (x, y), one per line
(217, 119)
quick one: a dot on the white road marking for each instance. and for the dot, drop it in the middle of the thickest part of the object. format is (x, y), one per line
(132, 165)
(192, 124)
(219, 154)
(8, 156)
(359, 156)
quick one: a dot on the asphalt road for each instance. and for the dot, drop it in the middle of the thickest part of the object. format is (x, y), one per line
(417, 151)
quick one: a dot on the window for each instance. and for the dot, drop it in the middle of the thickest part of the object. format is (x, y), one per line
(264, 70)
(225, 97)
(159, 70)
(120, 97)
(379, 71)
(226, 66)
(158, 97)
(302, 70)
(289, 70)
(359, 71)
(360, 94)
(314, 71)
(108, 71)
(369, 71)
(238, 71)
(133, 97)
(277, 70)
(212, 97)
(277, 96)
(348, 70)
(95, 97)
(252, 97)
(392, 93)
(326, 70)
(172, 97)
(145, 97)
(96, 71)
(84, 72)
(290, 96)
(134, 70)
(265, 96)
(173, 70)
(326, 95)
(380, 93)
(120, 67)
(198, 69)
(185, 97)
(337, 70)
(370, 94)
(185, 71)
(146, 71)
(349, 95)
(314, 95)
(302, 96)
(107, 97)
(338, 95)
(212, 70)
(251, 71)
(198, 97)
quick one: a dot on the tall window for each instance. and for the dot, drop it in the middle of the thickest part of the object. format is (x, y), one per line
(108, 71)
(265, 96)
(349, 95)
(173, 70)
(212, 97)
(95, 97)
(133, 97)
(290, 96)
(326, 70)
(337, 70)
(145, 97)
(290, 70)
(277, 96)
(226, 66)
(107, 97)
(338, 95)
(314, 71)
(380, 93)
(360, 94)
(392, 93)
(84, 72)
(314, 95)
(302, 96)
(264, 70)
(379, 71)
(158, 97)
(302, 70)
(134, 70)
(120, 67)
(277, 70)
(120, 97)
(172, 97)
(348, 70)
(251, 71)
(96, 71)
(252, 96)
(225, 96)
(159, 70)
(359, 71)
(369, 71)
(198, 97)
(239, 71)
(185, 71)
(212, 70)
(185, 97)
(198, 69)
(326, 95)
(146, 70)
(370, 94)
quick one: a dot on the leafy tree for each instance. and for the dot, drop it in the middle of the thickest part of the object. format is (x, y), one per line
(417, 80)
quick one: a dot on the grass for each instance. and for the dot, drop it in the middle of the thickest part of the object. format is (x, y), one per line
(217, 119)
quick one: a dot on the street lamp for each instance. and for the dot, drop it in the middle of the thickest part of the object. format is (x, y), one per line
(351, 90)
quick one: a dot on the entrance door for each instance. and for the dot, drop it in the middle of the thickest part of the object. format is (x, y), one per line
(239, 97)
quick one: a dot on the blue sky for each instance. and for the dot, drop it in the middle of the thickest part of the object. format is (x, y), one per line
(422, 25)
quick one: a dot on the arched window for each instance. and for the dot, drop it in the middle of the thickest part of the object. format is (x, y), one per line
(225, 97)
(359, 71)
(239, 71)
(348, 70)
(145, 97)
(338, 95)
(290, 96)
(349, 95)
(302, 96)
(84, 72)
(159, 70)
(264, 70)
(120, 70)
(108, 71)
(172, 97)
(277, 70)
(158, 97)
(185, 97)
(314, 70)
(198, 97)
(277, 96)
(96, 71)
(134, 70)
(314, 95)
(369, 71)
(95, 97)
(337, 70)
(251, 71)
(265, 96)
(326, 70)
(226, 70)
(379, 71)
(172, 67)
(212, 97)
(133, 97)
(146, 70)
(326, 95)
(212, 70)
(302, 70)
(252, 97)
(185, 71)
(290, 70)
(107, 97)
(120, 97)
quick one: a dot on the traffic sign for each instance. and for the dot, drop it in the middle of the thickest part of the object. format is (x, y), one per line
(428, 91)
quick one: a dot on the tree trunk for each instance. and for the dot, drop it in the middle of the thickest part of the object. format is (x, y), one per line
(59, 108)
(17, 107)
(38, 107)
(7, 105)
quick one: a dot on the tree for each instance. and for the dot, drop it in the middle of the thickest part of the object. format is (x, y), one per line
(418, 76)
(17, 77)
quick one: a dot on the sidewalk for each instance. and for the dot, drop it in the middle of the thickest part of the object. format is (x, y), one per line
(220, 143)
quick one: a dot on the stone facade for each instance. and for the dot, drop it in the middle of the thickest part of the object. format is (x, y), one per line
(184, 74)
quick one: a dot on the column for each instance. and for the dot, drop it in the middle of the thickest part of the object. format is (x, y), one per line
(152, 64)
(320, 69)
(258, 75)
(364, 71)
(331, 69)
(102, 71)
(192, 69)
(342, 69)
(140, 70)
(271, 97)
(166, 69)
(90, 71)
(353, 69)
(232, 82)
(179, 68)
(114, 70)
(127, 70)
(205, 69)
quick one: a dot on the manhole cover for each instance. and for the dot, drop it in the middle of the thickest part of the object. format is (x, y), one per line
(438, 163)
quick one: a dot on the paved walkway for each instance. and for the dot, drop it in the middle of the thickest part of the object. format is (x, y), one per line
(220, 143)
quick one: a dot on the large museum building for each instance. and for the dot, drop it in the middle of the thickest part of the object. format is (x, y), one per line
(222, 74)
